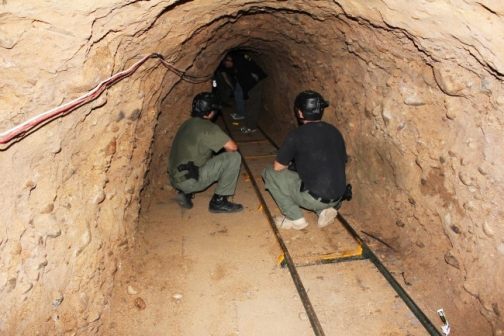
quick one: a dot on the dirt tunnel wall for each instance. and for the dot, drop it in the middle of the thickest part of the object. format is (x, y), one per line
(415, 89)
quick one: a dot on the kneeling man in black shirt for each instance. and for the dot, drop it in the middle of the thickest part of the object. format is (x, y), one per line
(309, 170)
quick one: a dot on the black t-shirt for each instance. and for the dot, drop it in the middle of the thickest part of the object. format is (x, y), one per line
(319, 152)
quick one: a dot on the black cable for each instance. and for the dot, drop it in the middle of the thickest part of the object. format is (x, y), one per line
(156, 55)
(381, 241)
(186, 77)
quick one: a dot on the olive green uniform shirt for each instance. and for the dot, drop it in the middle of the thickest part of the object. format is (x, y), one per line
(196, 140)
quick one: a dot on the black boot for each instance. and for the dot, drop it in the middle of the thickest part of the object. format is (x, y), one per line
(184, 200)
(220, 204)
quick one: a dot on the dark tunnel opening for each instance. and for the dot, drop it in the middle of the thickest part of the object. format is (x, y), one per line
(358, 68)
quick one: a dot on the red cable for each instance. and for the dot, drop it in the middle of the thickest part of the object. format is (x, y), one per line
(91, 95)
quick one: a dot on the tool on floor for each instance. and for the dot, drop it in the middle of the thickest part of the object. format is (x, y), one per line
(445, 328)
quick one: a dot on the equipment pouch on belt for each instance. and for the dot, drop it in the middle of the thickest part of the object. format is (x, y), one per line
(192, 170)
(347, 196)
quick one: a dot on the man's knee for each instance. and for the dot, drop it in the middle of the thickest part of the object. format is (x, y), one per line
(229, 160)
(234, 158)
(267, 172)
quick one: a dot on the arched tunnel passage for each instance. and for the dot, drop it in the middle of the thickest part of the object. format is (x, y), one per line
(417, 100)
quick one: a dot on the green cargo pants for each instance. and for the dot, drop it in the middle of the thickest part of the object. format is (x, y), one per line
(285, 187)
(223, 168)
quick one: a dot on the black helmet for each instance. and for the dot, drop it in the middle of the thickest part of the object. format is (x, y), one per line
(204, 103)
(311, 104)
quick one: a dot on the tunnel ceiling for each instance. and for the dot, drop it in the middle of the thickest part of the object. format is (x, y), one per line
(415, 87)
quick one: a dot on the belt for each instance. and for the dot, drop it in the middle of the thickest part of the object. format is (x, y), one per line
(316, 197)
(322, 200)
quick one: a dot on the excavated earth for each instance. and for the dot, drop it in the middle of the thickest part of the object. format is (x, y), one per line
(88, 218)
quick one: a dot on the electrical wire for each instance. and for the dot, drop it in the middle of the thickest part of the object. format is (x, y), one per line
(186, 77)
(10, 134)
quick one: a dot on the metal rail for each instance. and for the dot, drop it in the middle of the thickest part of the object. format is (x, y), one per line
(303, 295)
(362, 252)
(392, 281)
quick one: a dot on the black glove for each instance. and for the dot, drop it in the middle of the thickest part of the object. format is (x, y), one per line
(192, 170)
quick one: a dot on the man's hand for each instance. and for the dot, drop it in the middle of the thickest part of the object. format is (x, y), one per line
(278, 166)
(230, 146)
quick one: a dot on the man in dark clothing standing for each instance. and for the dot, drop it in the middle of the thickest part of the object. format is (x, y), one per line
(246, 79)
(221, 87)
(309, 170)
(191, 166)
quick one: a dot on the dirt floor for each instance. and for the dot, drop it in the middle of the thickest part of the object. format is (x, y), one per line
(197, 273)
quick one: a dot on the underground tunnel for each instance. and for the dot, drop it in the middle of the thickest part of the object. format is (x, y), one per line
(416, 89)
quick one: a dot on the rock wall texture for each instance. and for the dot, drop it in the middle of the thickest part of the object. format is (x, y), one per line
(416, 89)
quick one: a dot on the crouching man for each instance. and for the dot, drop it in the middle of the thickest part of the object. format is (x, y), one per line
(309, 170)
(192, 166)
